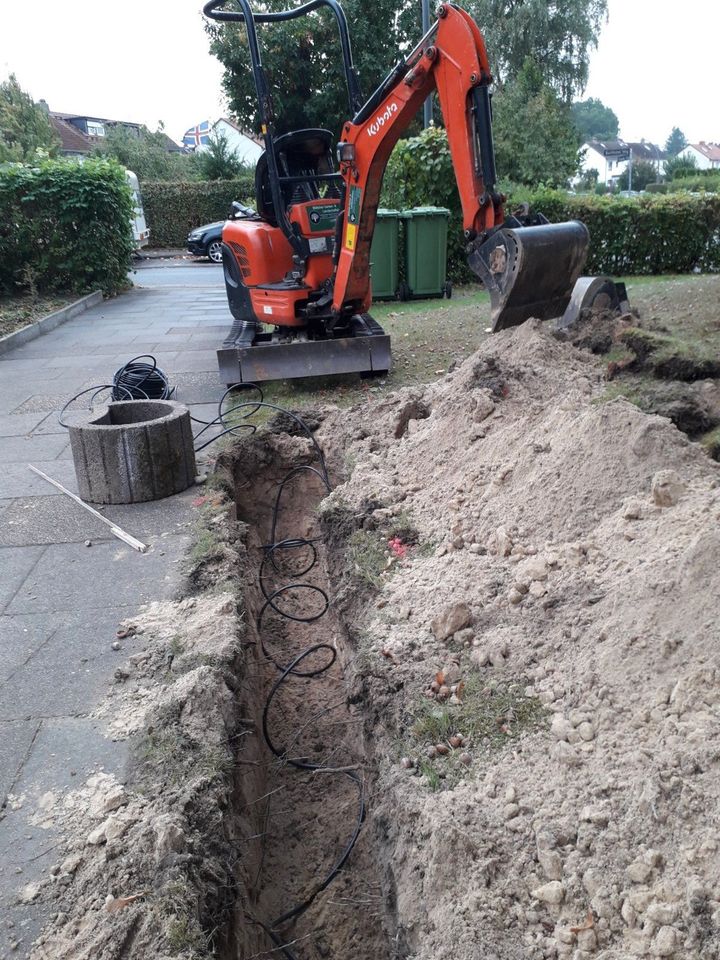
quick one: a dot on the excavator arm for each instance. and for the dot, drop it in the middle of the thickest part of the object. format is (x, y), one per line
(527, 270)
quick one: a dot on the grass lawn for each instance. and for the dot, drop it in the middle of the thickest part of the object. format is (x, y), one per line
(427, 335)
(20, 311)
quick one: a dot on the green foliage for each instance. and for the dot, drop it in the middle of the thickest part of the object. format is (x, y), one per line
(535, 138)
(642, 235)
(558, 37)
(65, 226)
(172, 210)
(218, 162)
(588, 180)
(25, 128)
(146, 155)
(594, 121)
(643, 173)
(675, 142)
(680, 167)
(303, 62)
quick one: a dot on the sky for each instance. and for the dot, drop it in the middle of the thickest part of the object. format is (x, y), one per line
(147, 60)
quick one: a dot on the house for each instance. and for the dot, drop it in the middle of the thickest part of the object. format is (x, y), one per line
(705, 155)
(608, 157)
(246, 147)
(79, 133)
(611, 157)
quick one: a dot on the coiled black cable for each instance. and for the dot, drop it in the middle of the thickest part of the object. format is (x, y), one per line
(134, 380)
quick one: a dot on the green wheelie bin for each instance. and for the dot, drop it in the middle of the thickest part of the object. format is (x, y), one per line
(384, 255)
(425, 253)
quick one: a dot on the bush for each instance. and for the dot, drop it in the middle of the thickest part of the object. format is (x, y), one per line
(643, 235)
(174, 209)
(65, 226)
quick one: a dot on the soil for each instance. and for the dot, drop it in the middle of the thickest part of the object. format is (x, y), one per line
(24, 310)
(563, 580)
(523, 591)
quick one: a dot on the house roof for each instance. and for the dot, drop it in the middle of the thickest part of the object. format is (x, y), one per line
(71, 139)
(709, 150)
(245, 133)
(601, 146)
(647, 151)
(87, 116)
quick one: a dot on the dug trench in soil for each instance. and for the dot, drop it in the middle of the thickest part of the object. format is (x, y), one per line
(294, 826)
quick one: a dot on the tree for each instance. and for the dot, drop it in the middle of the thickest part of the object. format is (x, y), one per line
(556, 36)
(676, 142)
(146, 154)
(24, 127)
(677, 167)
(594, 121)
(304, 65)
(643, 173)
(218, 162)
(535, 138)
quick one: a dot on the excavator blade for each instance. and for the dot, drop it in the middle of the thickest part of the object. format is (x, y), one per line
(530, 271)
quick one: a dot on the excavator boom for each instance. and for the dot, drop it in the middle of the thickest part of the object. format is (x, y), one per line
(529, 271)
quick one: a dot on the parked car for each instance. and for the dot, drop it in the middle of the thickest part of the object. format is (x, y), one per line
(206, 241)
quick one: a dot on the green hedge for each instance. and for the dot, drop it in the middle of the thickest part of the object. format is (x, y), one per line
(635, 235)
(172, 210)
(704, 184)
(643, 235)
(65, 226)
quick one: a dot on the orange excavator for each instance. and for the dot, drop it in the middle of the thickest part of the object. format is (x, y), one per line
(300, 262)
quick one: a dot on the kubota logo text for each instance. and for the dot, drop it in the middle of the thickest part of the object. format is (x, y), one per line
(381, 119)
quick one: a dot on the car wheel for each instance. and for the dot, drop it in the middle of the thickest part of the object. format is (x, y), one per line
(214, 251)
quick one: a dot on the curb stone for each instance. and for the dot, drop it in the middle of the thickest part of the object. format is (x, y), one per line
(35, 330)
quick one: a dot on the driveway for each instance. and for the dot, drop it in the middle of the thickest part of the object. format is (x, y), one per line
(61, 599)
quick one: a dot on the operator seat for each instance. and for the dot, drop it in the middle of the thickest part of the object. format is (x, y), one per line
(300, 153)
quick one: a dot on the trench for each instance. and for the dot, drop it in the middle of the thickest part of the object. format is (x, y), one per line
(291, 827)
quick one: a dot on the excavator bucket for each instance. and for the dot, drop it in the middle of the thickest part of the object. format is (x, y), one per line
(530, 271)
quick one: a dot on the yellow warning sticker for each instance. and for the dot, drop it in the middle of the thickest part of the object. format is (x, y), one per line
(350, 234)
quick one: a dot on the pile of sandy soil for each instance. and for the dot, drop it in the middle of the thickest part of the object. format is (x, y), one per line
(568, 549)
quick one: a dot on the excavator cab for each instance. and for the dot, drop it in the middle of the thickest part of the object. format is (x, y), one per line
(300, 263)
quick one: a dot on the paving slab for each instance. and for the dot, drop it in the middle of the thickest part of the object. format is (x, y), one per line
(65, 752)
(15, 742)
(20, 638)
(16, 480)
(71, 576)
(29, 449)
(49, 519)
(79, 652)
(19, 424)
(16, 564)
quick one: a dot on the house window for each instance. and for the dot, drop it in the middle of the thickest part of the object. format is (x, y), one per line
(95, 129)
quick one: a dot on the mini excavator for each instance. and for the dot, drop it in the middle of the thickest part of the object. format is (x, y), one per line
(300, 262)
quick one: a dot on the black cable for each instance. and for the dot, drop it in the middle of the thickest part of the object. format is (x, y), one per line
(273, 601)
(135, 380)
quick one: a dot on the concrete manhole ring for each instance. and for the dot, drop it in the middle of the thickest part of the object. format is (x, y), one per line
(137, 450)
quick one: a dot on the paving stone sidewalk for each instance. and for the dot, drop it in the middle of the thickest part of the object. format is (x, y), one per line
(60, 600)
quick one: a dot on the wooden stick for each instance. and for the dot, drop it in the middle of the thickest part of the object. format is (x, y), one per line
(114, 529)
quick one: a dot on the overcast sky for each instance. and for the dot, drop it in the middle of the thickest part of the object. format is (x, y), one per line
(148, 60)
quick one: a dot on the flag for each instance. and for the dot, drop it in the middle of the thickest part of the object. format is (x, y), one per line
(197, 136)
